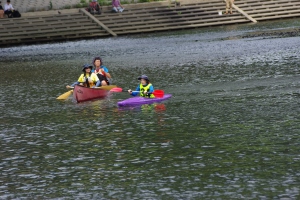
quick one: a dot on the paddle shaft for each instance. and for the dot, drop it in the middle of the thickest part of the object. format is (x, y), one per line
(156, 93)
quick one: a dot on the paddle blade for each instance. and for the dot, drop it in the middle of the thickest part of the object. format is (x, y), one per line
(65, 95)
(107, 87)
(158, 93)
(116, 89)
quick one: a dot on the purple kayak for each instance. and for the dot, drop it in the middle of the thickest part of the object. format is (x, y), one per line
(142, 100)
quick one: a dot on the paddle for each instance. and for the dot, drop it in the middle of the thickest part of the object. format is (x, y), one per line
(107, 87)
(156, 93)
(67, 94)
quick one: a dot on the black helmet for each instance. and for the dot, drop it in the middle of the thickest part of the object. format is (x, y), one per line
(86, 66)
(143, 77)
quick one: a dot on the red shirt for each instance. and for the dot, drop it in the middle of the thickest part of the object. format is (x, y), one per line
(93, 5)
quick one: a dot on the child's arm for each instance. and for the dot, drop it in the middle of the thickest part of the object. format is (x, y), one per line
(73, 85)
(136, 92)
(80, 80)
(120, 4)
(151, 89)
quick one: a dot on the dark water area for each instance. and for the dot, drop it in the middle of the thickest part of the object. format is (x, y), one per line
(230, 131)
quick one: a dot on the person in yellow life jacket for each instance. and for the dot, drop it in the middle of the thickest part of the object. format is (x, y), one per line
(144, 89)
(87, 78)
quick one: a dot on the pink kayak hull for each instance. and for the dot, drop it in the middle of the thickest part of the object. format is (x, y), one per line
(141, 100)
(82, 94)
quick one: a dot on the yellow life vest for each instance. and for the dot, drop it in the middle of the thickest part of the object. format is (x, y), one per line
(146, 88)
(91, 83)
(82, 79)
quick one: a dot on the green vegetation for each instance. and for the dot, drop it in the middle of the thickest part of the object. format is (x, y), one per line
(104, 2)
(50, 5)
(144, 1)
(108, 2)
(85, 3)
(81, 4)
(67, 7)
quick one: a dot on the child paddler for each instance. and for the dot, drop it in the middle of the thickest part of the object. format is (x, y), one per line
(87, 78)
(144, 89)
(101, 71)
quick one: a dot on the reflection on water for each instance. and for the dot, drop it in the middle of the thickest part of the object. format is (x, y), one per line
(145, 108)
(230, 130)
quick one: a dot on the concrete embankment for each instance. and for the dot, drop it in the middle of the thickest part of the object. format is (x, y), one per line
(50, 26)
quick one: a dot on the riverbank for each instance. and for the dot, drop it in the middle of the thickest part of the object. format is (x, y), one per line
(74, 24)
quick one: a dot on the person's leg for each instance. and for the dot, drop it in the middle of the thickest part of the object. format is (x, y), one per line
(9, 14)
(114, 9)
(230, 6)
(92, 10)
(103, 83)
(1, 13)
(227, 6)
(98, 9)
(120, 9)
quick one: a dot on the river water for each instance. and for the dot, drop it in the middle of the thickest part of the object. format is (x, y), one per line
(230, 131)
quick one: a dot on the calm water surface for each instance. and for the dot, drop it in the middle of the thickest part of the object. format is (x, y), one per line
(230, 131)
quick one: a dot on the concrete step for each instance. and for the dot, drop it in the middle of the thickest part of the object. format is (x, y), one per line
(173, 10)
(146, 16)
(175, 27)
(160, 12)
(58, 34)
(44, 32)
(271, 6)
(173, 19)
(275, 13)
(179, 23)
(261, 18)
(39, 20)
(294, 6)
(32, 18)
(40, 30)
(262, 11)
(247, 3)
(82, 22)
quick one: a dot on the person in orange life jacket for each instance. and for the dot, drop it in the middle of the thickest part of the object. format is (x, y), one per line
(87, 78)
(101, 71)
(144, 89)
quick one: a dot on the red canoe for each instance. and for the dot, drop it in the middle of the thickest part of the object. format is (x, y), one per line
(82, 94)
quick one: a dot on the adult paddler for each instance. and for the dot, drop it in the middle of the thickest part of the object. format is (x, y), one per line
(101, 71)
